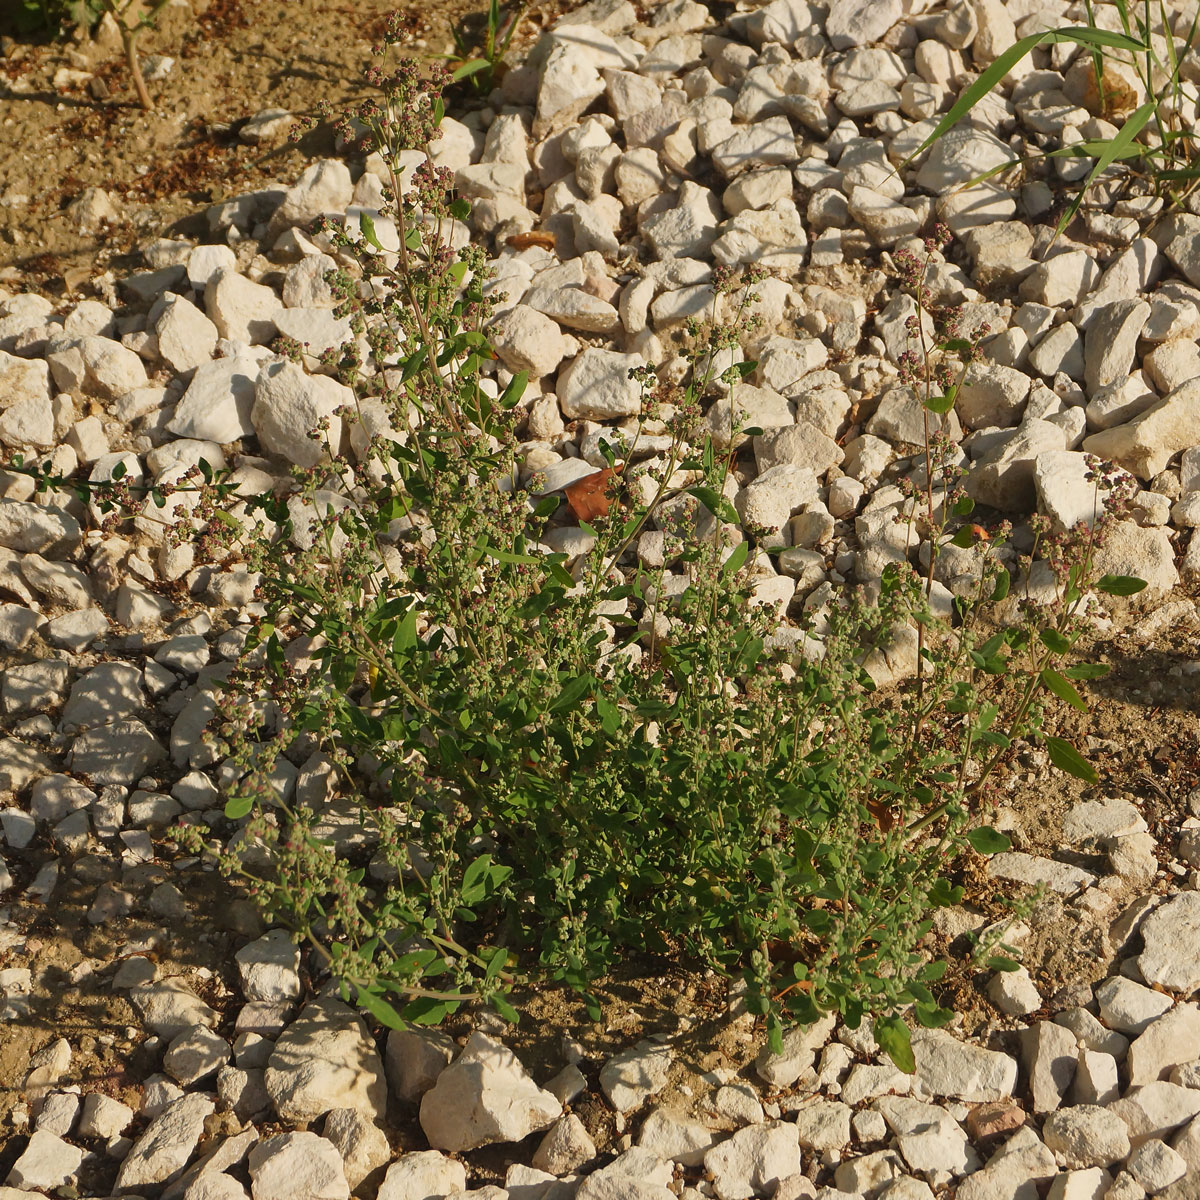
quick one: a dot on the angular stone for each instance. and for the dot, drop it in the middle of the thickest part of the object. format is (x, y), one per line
(422, 1175)
(288, 404)
(823, 1125)
(218, 402)
(596, 386)
(1155, 1110)
(269, 968)
(324, 1060)
(527, 340)
(361, 1143)
(1172, 1040)
(673, 1137)
(241, 310)
(485, 1096)
(194, 1054)
(414, 1059)
(46, 1162)
(1033, 870)
(1171, 933)
(631, 1077)
(1145, 444)
(754, 1160)
(1050, 1056)
(186, 337)
(297, 1164)
(948, 1067)
(1111, 342)
(161, 1152)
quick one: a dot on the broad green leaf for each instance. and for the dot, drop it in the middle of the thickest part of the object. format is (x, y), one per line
(932, 1016)
(987, 840)
(1063, 689)
(1120, 585)
(460, 209)
(894, 1039)
(1001, 962)
(715, 503)
(506, 1010)
(236, 807)
(515, 390)
(941, 404)
(381, 1010)
(1087, 671)
(964, 506)
(965, 538)
(572, 693)
(736, 558)
(1066, 758)
(1053, 640)
(1003, 583)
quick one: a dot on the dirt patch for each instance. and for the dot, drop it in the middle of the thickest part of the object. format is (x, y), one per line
(71, 122)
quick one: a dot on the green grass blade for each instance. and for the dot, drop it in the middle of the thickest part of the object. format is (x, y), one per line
(1113, 150)
(989, 79)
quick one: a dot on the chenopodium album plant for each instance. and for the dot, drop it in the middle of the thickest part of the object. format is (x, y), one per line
(564, 759)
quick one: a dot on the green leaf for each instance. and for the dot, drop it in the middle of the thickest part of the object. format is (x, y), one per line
(995, 73)
(506, 1010)
(1114, 148)
(366, 226)
(1087, 671)
(964, 506)
(894, 1039)
(986, 840)
(470, 68)
(507, 556)
(572, 693)
(941, 404)
(1066, 758)
(381, 1010)
(932, 1016)
(1001, 962)
(1120, 585)
(425, 1010)
(460, 209)
(1003, 583)
(515, 390)
(965, 538)
(1063, 689)
(736, 558)
(1053, 640)
(715, 503)
(236, 807)
(118, 472)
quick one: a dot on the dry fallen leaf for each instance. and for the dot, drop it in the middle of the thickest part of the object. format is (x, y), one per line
(536, 237)
(588, 497)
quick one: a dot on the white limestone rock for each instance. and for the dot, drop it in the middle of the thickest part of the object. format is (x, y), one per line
(485, 1096)
(631, 1077)
(161, 1152)
(269, 968)
(754, 1160)
(186, 337)
(596, 386)
(292, 1164)
(325, 1060)
(288, 404)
